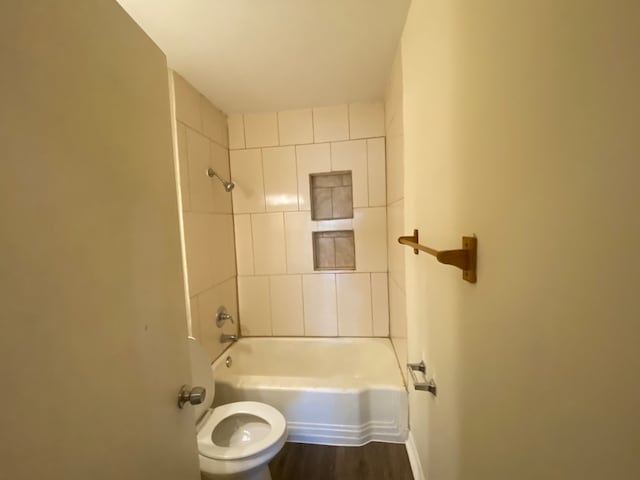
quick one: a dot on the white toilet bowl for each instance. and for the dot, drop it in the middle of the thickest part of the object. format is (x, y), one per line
(238, 440)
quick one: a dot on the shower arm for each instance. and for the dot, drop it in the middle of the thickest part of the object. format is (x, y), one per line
(228, 186)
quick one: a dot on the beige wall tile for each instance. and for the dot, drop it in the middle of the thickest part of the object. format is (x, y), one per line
(321, 203)
(354, 304)
(380, 304)
(224, 132)
(370, 225)
(393, 94)
(366, 120)
(254, 305)
(328, 225)
(220, 163)
(244, 244)
(345, 252)
(295, 127)
(286, 305)
(246, 172)
(235, 126)
(376, 172)
(298, 228)
(183, 164)
(342, 201)
(209, 237)
(268, 243)
(395, 229)
(200, 185)
(208, 113)
(331, 124)
(280, 178)
(333, 250)
(331, 195)
(310, 159)
(325, 253)
(198, 252)
(208, 303)
(400, 347)
(320, 311)
(353, 156)
(214, 122)
(397, 311)
(261, 129)
(187, 103)
(395, 166)
(222, 247)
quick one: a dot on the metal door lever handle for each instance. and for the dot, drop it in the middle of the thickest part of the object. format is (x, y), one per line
(194, 396)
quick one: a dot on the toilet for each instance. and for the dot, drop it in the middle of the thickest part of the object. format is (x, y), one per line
(236, 441)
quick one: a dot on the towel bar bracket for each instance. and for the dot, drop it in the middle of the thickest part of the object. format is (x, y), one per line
(428, 384)
(464, 258)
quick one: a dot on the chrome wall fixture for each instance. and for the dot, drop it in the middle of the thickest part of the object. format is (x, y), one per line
(228, 186)
(222, 316)
(192, 395)
(427, 385)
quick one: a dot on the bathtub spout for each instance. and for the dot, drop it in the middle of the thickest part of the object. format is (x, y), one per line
(228, 338)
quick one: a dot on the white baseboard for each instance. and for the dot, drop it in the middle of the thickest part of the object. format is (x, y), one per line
(414, 458)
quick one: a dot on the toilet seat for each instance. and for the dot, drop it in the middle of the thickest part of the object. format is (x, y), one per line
(247, 444)
(274, 419)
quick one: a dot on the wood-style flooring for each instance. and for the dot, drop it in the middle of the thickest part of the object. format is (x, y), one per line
(374, 461)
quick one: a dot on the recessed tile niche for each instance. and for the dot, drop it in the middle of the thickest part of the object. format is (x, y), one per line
(331, 195)
(334, 250)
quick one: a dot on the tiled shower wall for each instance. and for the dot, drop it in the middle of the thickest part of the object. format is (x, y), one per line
(395, 211)
(207, 214)
(272, 155)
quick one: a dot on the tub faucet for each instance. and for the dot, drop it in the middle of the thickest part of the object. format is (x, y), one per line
(228, 338)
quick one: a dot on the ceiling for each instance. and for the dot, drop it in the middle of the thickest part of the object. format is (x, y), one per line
(268, 55)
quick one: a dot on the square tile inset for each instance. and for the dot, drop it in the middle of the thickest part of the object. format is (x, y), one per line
(334, 250)
(331, 195)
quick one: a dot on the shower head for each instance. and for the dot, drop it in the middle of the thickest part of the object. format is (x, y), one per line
(228, 186)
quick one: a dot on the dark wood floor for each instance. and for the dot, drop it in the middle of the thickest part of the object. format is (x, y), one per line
(374, 461)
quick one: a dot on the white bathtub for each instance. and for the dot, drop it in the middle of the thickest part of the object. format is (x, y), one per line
(332, 391)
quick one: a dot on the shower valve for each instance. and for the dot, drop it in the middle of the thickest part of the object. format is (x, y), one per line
(222, 316)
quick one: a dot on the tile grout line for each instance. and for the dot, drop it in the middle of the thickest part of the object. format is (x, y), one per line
(335, 286)
(284, 234)
(210, 287)
(264, 187)
(244, 131)
(278, 129)
(388, 308)
(373, 330)
(304, 328)
(270, 305)
(368, 179)
(295, 153)
(253, 250)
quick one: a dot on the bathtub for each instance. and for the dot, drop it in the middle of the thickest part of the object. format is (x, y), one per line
(332, 391)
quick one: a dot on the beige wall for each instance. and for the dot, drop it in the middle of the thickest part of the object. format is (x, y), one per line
(395, 211)
(206, 214)
(521, 126)
(272, 155)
